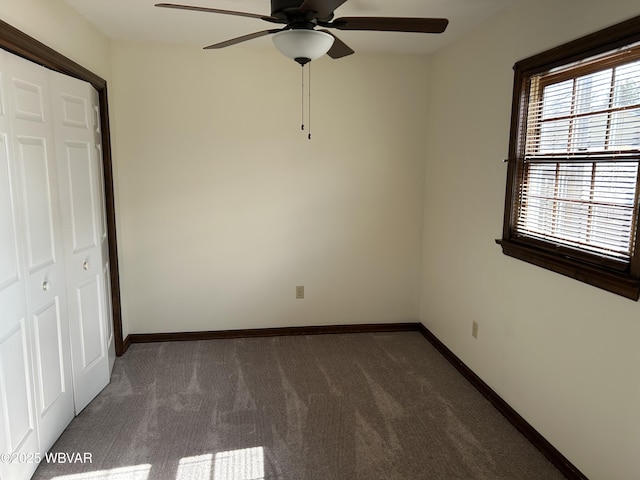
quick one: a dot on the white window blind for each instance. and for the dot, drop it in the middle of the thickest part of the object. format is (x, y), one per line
(581, 154)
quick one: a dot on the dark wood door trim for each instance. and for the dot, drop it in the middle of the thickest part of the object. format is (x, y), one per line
(19, 43)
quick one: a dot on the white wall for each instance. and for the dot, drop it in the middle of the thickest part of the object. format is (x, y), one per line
(564, 355)
(56, 25)
(225, 206)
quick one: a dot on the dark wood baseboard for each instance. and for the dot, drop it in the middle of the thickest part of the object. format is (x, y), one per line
(126, 343)
(270, 332)
(547, 449)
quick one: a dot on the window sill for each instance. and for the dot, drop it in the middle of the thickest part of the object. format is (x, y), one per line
(615, 282)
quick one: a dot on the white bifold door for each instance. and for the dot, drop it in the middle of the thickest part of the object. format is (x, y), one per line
(56, 339)
(78, 151)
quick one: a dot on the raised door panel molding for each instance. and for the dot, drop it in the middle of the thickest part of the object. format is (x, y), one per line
(9, 259)
(80, 168)
(9, 255)
(74, 111)
(93, 345)
(36, 196)
(28, 101)
(17, 420)
(53, 383)
(17, 395)
(47, 333)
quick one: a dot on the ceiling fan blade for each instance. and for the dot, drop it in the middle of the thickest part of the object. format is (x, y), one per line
(339, 49)
(323, 8)
(390, 24)
(216, 10)
(244, 38)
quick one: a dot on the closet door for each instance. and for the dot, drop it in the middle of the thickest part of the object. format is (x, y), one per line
(34, 153)
(17, 406)
(80, 196)
(104, 239)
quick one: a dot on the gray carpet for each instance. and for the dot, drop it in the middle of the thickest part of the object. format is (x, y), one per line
(362, 406)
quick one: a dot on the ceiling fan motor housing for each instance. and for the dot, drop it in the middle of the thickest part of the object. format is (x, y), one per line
(289, 10)
(280, 8)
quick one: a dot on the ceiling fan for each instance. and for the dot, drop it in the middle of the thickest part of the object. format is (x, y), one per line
(300, 40)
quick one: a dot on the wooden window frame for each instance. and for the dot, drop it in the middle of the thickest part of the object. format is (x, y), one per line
(564, 260)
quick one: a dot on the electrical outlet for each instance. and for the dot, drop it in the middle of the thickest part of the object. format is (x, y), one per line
(300, 291)
(474, 329)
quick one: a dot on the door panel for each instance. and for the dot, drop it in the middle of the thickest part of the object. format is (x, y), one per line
(47, 325)
(84, 223)
(90, 363)
(28, 101)
(79, 195)
(102, 206)
(111, 344)
(45, 277)
(17, 413)
(33, 163)
(14, 358)
(9, 273)
(17, 408)
(75, 111)
(104, 243)
(89, 295)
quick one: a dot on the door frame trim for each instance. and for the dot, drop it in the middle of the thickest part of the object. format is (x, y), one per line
(19, 43)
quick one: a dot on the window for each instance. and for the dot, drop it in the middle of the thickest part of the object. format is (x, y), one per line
(572, 188)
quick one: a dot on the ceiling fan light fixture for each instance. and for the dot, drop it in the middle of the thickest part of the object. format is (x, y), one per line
(302, 45)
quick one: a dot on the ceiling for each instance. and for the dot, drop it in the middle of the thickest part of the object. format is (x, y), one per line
(139, 20)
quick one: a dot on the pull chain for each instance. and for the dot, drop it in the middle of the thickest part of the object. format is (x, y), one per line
(309, 106)
(308, 100)
(302, 97)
